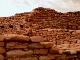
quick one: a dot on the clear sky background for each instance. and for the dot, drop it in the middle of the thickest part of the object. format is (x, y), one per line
(10, 7)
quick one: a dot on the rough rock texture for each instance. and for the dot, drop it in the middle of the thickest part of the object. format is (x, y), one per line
(43, 34)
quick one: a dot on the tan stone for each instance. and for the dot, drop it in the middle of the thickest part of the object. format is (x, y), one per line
(37, 39)
(36, 45)
(29, 58)
(51, 56)
(2, 37)
(44, 58)
(77, 46)
(16, 37)
(78, 41)
(1, 57)
(16, 45)
(41, 51)
(47, 44)
(19, 53)
(78, 31)
(70, 56)
(1, 43)
(61, 51)
(71, 51)
(54, 50)
(2, 50)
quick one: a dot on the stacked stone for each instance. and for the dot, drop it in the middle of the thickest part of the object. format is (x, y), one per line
(2, 48)
(58, 35)
(32, 35)
(20, 47)
(39, 18)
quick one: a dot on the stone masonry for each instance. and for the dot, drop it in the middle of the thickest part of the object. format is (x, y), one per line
(43, 34)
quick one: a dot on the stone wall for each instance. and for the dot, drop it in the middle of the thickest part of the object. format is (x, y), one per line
(39, 18)
(43, 34)
(38, 47)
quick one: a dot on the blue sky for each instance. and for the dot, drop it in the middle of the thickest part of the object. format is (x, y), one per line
(10, 7)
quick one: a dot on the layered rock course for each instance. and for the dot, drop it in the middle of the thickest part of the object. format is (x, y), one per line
(43, 34)
(36, 47)
(39, 18)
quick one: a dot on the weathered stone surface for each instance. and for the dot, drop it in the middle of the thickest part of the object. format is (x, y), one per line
(37, 39)
(16, 37)
(2, 50)
(15, 53)
(1, 57)
(22, 58)
(71, 51)
(2, 37)
(44, 58)
(54, 50)
(40, 51)
(30, 58)
(51, 56)
(2, 43)
(36, 45)
(16, 45)
(19, 53)
(46, 31)
(47, 44)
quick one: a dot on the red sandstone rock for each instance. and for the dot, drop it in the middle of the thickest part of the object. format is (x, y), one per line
(2, 50)
(71, 51)
(54, 50)
(44, 58)
(40, 51)
(2, 37)
(1, 57)
(16, 45)
(2, 44)
(19, 53)
(51, 56)
(41, 18)
(37, 39)
(16, 37)
(47, 44)
(36, 45)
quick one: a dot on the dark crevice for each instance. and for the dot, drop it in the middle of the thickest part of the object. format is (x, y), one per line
(21, 26)
(11, 26)
(2, 26)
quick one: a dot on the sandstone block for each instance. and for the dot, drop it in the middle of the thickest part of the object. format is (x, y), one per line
(19, 53)
(16, 45)
(15, 37)
(22, 58)
(78, 41)
(37, 39)
(71, 51)
(41, 51)
(47, 44)
(78, 31)
(2, 50)
(36, 45)
(1, 43)
(54, 50)
(29, 58)
(2, 37)
(1, 57)
(15, 53)
(44, 58)
(51, 56)
(70, 56)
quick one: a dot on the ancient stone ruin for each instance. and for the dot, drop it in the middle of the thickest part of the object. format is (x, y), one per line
(42, 34)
